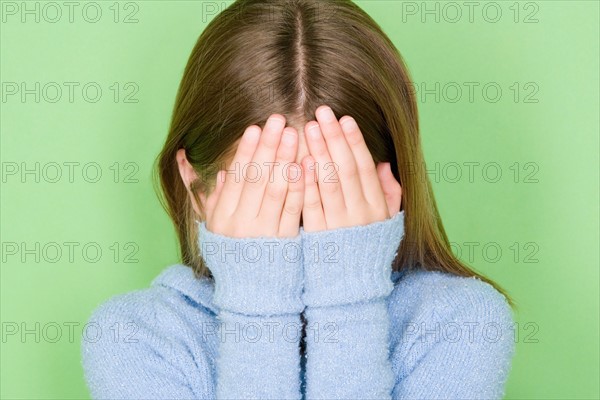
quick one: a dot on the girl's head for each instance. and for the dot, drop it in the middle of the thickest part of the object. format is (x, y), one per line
(260, 57)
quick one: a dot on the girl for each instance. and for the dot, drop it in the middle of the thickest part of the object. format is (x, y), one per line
(314, 260)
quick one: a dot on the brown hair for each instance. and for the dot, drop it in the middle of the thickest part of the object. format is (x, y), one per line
(260, 57)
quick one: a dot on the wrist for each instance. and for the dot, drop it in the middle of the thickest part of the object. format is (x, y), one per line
(254, 276)
(351, 264)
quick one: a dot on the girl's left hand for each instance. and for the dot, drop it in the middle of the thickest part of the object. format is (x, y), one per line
(342, 185)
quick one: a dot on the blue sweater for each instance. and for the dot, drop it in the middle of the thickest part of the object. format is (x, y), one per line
(370, 333)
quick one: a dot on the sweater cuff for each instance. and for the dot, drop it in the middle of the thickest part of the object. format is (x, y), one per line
(351, 264)
(254, 276)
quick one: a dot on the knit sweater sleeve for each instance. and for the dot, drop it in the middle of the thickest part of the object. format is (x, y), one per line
(347, 284)
(459, 347)
(258, 287)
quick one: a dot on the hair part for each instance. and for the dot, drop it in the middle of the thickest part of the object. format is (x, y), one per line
(258, 58)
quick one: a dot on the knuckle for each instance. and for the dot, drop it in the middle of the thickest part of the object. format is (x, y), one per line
(293, 209)
(275, 192)
(368, 171)
(270, 142)
(349, 170)
(354, 139)
(262, 177)
(320, 150)
(295, 187)
(310, 182)
(312, 204)
(331, 188)
(333, 134)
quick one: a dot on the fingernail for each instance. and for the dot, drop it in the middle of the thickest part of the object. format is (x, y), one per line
(314, 131)
(327, 114)
(277, 121)
(349, 124)
(253, 133)
(289, 138)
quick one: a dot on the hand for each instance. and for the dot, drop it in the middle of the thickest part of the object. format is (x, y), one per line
(266, 205)
(342, 185)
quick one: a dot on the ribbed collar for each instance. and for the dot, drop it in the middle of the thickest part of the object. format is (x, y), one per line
(200, 290)
(181, 278)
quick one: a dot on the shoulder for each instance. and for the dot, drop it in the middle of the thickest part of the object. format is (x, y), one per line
(450, 305)
(156, 330)
(163, 317)
(155, 307)
(423, 290)
(456, 329)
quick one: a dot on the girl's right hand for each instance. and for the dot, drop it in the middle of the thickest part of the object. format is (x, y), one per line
(262, 192)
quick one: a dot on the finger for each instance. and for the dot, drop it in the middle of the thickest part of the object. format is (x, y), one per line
(233, 181)
(325, 172)
(366, 167)
(277, 187)
(290, 217)
(391, 188)
(342, 156)
(313, 217)
(262, 162)
(213, 198)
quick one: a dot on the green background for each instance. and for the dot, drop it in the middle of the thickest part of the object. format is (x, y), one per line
(541, 213)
